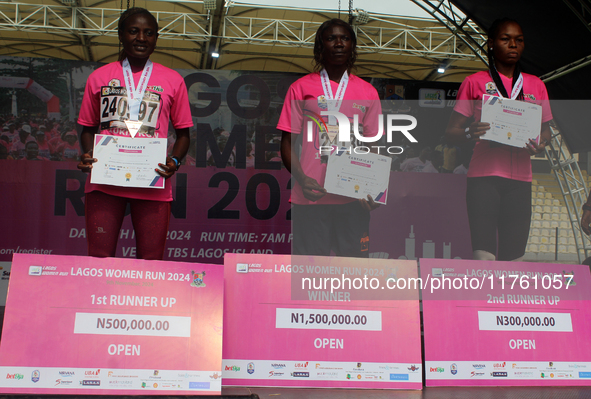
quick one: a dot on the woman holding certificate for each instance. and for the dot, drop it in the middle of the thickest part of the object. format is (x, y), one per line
(499, 178)
(156, 95)
(324, 222)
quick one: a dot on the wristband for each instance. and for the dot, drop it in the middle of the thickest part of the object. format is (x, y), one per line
(586, 207)
(177, 162)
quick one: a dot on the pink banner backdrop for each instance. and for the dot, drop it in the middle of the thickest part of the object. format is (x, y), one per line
(327, 341)
(506, 323)
(82, 325)
(229, 210)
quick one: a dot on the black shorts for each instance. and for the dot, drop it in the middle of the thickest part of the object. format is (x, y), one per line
(320, 229)
(499, 207)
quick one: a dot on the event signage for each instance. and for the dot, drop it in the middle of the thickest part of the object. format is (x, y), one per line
(278, 334)
(83, 325)
(506, 323)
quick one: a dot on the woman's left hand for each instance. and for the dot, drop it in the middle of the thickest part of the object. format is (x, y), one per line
(535, 148)
(368, 204)
(167, 170)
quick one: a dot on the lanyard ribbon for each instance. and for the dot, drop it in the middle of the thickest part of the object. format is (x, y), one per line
(135, 95)
(333, 102)
(516, 88)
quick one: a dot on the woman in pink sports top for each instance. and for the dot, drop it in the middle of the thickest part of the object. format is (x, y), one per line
(499, 178)
(164, 93)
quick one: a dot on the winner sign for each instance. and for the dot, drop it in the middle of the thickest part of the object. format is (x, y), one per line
(82, 325)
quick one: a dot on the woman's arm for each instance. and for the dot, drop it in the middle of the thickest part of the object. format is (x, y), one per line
(86, 145)
(310, 187)
(458, 132)
(179, 150)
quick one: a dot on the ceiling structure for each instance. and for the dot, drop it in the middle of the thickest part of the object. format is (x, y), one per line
(247, 36)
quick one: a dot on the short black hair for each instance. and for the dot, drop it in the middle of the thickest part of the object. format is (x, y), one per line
(319, 46)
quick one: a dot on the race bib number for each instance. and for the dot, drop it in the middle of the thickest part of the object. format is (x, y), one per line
(114, 110)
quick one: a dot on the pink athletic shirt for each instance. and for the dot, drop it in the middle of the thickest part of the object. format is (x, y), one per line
(504, 161)
(360, 98)
(164, 83)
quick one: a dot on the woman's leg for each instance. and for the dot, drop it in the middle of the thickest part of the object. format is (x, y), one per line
(150, 223)
(515, 219)
(104, 216)
(483, 203)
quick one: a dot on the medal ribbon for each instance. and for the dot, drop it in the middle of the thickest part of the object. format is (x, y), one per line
(516, 88)
(333, 102)
(135, 95)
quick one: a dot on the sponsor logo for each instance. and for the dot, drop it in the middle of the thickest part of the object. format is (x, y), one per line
(550, 364)
(155, 385)
(35, 270)
(522, 374)
(198, 279)
(60, 381)
(358, 376)
(66, 374)
(111, 374)
(15, 376)
(90, 383)
(414, 368)
(250, 368)
(217, 375)
(300, 374)
(584, 374)
(282, 366)
(490, 88)
(348, 376)
(198, 385)
(327, 374)
(577, 366)
(114, 83)
(478, 366)
(301, 365)
(94, 373)
(398, 377)
(432, 98)
(477, 374)
(362, 108)
(232, 368)
(35, 375)
(276, 373)
(499, 365)
(436, 369)
(120, 383)
(499, 374)
(437, 272)
(241, 267)
(453, 369)
(188, 375)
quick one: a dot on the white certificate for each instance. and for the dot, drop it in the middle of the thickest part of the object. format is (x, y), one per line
(127, 162)
(357, 175)
(512, 122)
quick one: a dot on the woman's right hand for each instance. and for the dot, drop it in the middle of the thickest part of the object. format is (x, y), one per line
(86, 161)
(311, 189)
(477, 129)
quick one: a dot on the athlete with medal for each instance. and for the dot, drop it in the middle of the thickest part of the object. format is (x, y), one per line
(499, 180)
(324, 222)
(133, 97)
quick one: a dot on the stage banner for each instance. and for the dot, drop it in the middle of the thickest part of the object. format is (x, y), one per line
(219, 211)
(82, 325)
(277, 333)
(506, 323)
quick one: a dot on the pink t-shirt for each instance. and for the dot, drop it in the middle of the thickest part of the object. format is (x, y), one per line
(504, 161)
(165, 87)
(304, 101)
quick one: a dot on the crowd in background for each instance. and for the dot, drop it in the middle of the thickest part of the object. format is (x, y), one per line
(37, 138)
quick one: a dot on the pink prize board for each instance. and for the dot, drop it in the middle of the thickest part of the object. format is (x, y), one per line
(271, 339)
(530, 329)
(82, 325)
